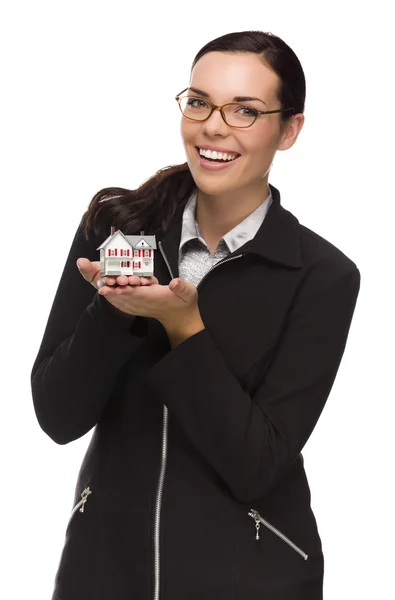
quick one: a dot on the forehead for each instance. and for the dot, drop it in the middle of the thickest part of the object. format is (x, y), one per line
(224, 75)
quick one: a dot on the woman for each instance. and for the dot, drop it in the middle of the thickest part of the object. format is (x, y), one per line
(202, 394)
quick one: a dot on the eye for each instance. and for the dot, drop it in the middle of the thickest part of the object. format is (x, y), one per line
(196, 103)
(249, 112)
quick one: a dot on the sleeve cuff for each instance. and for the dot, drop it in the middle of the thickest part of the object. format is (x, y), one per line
(132, 324)
(182, 361)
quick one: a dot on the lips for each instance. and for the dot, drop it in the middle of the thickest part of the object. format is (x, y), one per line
(209, 165)
(223, 150)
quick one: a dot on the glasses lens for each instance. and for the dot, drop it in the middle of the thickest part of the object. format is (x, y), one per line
(195, 108)
(239, 115)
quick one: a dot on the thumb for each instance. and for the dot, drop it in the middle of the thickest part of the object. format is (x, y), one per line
(182, 288)
(175, 284)
(179, 287)
(86, 269)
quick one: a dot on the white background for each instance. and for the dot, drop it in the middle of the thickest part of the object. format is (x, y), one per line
(87, 101)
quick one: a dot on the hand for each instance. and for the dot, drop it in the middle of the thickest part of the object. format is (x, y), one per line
(174, 305)
(167, 303)
(90, 270)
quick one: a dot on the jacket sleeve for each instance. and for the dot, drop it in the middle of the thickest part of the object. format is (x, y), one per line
(84, 346)
(252, 440)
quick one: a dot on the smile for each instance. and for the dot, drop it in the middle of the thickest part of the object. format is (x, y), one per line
(215, 161)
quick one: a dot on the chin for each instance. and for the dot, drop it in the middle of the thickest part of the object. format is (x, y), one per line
(213, 188)
(212, 182)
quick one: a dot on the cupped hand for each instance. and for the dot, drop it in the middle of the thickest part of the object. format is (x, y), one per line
(174, 305)
(90, 271)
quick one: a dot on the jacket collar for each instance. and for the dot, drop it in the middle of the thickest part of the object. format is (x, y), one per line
(277, 239)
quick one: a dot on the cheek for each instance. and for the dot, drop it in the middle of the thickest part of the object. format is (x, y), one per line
(259, 148)
(256, 144)
(188, 131)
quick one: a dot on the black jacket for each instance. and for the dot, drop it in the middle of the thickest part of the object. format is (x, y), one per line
(189, 442)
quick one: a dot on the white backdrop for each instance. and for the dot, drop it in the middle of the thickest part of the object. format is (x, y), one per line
(82, 83)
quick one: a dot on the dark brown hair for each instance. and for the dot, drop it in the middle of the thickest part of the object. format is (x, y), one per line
(152, 206)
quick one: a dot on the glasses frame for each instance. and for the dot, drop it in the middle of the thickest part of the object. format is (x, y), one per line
(216, 107)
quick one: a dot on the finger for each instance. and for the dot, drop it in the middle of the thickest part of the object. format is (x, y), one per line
(104, 282)
(89, 270)
(109, 281)
(134, 280)
(113, 289)
(106, 290)
(122, 280)
(149, 280)
(85, 268)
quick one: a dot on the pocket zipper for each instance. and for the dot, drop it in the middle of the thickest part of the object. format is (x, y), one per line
(84, 497)
(258, 520)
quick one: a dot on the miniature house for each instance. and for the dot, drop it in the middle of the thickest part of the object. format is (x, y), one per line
(127, 254)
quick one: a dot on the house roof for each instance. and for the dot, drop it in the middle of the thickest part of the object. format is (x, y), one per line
(136, 241)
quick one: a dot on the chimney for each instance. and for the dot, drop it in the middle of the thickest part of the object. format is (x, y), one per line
(112, 230)
(142, 233)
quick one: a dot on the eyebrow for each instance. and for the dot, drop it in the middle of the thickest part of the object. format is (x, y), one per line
(235, 99)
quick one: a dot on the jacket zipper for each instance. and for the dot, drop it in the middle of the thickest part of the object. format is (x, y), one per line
(81, 503)
(159, 502)
(258, 520)
(162, 472)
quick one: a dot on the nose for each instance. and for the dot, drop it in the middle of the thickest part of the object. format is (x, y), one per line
(215, 125)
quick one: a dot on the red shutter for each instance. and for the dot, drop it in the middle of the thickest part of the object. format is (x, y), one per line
(139, 264)
(128, 252)
(115, 251)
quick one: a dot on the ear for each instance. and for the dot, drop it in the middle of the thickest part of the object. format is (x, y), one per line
(291, 132)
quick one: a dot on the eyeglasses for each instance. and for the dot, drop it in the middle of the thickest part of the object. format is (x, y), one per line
(234, 114)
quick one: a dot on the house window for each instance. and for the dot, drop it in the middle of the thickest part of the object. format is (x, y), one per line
(136, 264)
(146, 252)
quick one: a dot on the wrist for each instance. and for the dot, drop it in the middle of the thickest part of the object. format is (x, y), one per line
(127, 317)
(178, 334)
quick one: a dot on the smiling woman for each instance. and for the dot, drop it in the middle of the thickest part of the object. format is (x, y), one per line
(203, 397)
(256, 70)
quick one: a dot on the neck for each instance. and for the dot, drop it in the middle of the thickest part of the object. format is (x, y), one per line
(218, 214)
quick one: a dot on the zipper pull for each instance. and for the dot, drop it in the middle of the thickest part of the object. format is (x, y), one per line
(255, 515)
(84, 497)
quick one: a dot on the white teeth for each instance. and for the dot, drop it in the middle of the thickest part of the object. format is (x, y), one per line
(216, 155)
